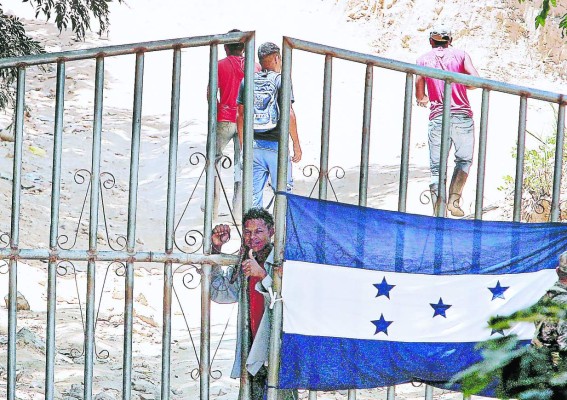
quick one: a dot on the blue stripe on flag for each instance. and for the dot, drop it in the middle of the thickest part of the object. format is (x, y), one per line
(326, 232)
(337, 363)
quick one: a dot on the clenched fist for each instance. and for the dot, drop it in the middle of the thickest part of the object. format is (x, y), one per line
(221, 235)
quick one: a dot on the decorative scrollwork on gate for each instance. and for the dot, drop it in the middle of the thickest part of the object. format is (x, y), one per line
(4, 268)
(191, 280)
(338, 172)
(4, 240)
(108, 181)
(67, 267)
(191, 241)
(426, 197)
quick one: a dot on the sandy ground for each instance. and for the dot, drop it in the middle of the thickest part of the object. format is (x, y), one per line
(144, 20)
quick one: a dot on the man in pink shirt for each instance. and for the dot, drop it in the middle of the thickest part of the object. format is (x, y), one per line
(445, 57)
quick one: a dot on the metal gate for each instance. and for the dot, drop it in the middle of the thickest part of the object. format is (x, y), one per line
(56, 253)
(60, 256)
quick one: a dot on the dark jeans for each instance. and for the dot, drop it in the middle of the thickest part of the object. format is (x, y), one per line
(259, 387)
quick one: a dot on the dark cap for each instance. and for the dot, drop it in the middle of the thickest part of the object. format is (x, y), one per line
(266, 49)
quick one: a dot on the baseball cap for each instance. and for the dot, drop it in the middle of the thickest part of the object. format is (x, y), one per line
(266, 49)
(563, 262)
(440, 33)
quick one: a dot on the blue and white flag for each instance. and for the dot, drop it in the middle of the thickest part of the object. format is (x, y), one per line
(374, 298)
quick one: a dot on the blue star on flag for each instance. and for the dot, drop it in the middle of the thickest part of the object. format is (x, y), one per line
(440, 308)
(498, 291)
(382, 325)
(384, 288)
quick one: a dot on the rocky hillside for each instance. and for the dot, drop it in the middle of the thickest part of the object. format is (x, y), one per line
(500, 35)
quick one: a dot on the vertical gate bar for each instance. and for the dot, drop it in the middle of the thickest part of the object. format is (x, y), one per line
(479, 203)
(404, 167)
(247, 148)
(521, 147)
(325, 138)
(166, 334)
(131, 228)
(248, 128)
(406, 133)
(428, 392)
(444, 155)
(205, 349)
(279, 214)
(444, 150)
(54, 232)
(15, 232)
(555, 197)
(211, 147)
(170, 223)
(204, 366)
(325, 126)
(364, 155)
(365, 146)
(93, 228)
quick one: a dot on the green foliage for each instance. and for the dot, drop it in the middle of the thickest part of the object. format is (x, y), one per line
(539, 164)
(68, 14)
(74, 14)
(544, 13)
(13, 42)
(532, 374)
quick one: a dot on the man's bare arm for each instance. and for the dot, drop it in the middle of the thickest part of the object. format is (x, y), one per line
(294, 137)
(470, 69)
(420, 95)
(240, 123)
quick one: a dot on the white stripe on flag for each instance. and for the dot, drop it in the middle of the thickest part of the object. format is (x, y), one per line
(333, 301)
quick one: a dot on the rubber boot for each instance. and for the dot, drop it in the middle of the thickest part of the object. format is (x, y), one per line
(435, 199)
(455, 190)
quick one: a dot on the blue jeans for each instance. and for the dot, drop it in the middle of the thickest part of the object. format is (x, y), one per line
(266, 165)
(462, 138)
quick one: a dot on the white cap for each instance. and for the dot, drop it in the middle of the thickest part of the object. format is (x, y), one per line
(440, 33)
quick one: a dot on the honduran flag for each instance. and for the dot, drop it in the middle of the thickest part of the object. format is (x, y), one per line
(374, 298)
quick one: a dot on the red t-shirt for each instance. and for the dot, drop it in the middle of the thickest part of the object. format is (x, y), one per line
(230, 73)
(256, 305)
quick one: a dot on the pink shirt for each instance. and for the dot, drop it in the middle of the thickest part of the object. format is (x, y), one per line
(447, 59)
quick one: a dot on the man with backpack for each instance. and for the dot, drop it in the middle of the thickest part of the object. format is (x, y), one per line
(267, 106)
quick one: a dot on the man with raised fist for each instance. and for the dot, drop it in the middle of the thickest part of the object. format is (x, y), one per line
(256, 263)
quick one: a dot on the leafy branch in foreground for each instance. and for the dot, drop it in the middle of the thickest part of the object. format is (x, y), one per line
(75, 15)
(541, 18)
(514, 369)
(13, 43)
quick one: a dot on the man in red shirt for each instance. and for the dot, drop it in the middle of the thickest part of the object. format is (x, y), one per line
(230, 74)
